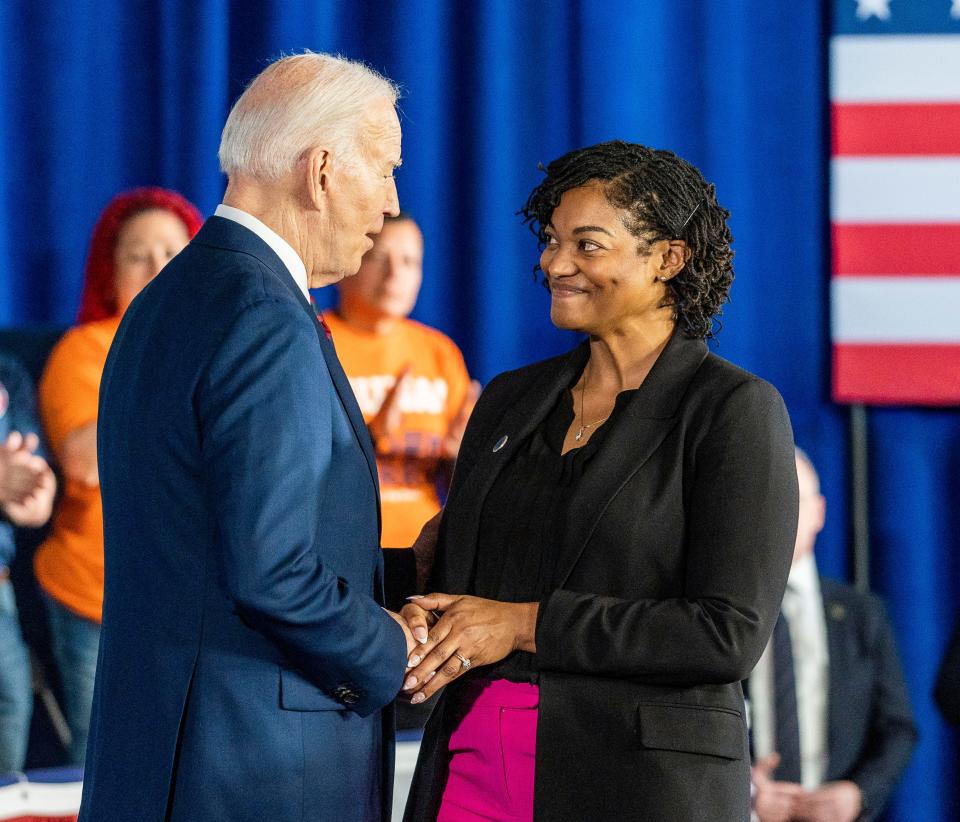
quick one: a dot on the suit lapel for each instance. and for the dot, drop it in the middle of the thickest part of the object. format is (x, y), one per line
(516, 424)
(635, 433)
(342, 386)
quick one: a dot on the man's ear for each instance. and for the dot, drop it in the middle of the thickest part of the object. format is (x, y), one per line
(317, 169)
(675, 256)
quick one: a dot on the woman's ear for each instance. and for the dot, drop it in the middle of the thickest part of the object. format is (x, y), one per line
(676, 254)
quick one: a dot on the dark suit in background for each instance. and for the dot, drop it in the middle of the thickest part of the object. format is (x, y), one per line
(870, 728)
(245, 659)
(667, 585)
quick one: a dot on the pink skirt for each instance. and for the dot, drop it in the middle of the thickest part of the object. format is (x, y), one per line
(492, 753)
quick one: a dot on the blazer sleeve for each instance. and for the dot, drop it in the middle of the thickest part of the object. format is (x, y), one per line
(892, 733)
(947, 690)
(740, 531)
(265, 418)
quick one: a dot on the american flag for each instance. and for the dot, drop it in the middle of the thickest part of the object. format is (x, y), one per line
(895, 201)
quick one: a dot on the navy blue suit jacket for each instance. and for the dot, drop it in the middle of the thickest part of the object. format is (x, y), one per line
(245, 661)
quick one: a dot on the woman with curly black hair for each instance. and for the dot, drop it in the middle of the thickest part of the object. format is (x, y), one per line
(616, 542)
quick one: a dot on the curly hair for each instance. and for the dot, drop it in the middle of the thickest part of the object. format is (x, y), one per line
(666, 198)
(97, 301)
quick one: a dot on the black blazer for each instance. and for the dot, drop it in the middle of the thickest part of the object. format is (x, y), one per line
(667, 587)
(870, 729)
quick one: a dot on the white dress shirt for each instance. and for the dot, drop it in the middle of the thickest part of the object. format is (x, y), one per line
(803, 608)
(280, 246)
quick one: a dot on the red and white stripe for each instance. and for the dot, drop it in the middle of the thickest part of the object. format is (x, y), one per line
(895, 212)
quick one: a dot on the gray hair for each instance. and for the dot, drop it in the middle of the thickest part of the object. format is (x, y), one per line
(295, 104)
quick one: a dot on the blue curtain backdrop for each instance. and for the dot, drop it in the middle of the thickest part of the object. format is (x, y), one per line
(102, 95)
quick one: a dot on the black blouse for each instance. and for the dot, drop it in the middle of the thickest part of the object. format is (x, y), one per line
(516, 553)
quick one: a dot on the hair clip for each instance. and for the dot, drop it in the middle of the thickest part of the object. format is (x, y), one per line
(690, 216)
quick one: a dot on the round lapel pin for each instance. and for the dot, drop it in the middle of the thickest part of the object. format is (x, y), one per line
(500, 443)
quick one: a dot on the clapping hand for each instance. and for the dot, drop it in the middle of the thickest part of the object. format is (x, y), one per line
(27, 484)
(832, 802)
(456, 633)
(386, 422)
(774, 801)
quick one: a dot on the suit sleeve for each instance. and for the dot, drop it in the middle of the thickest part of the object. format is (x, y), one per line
(947, 690)
(265, 413)
(739, 537)
(892, 733)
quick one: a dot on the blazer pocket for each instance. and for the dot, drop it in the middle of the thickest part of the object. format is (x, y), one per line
(692, 729)
(298, 694)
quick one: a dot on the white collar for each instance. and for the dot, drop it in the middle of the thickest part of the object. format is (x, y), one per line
(803, 579)
(280, 246)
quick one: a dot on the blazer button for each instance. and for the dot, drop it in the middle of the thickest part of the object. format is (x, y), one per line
(346, 694)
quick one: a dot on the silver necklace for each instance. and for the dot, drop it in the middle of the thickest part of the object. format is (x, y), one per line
(585, 425)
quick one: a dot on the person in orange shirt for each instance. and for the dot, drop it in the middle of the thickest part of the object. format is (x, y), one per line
(410, 380)
(137, 234)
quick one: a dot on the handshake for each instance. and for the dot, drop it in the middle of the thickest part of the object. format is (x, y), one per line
(449, 634)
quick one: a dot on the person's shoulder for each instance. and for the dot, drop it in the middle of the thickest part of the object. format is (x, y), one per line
(432, 335)
(432, 338)
(719, 381)
(844, 599)
(93, 336)
(721, 373)
(12, 369)
(227, 275)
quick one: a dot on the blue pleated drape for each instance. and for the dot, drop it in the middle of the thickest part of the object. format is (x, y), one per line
(102, 95)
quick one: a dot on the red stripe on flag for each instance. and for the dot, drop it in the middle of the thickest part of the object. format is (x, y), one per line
(925, 249)
(869, 129)
(897, 374)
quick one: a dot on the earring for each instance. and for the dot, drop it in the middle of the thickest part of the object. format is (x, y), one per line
(661, 279)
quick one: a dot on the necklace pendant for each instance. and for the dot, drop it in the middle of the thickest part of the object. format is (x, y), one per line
(579, 435)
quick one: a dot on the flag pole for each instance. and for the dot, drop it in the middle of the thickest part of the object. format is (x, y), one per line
(859, 488)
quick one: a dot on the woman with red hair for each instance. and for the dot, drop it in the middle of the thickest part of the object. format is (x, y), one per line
(137, 234)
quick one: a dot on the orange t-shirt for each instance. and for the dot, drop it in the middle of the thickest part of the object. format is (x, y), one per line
(69, 564)
(430, 399)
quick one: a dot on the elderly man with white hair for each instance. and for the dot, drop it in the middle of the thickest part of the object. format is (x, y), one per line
(246, 664)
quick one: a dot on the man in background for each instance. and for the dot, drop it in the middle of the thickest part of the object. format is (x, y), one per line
(831, 723)
(27, 488)
(410, 380)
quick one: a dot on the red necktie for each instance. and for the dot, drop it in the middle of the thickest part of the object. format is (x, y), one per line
(320, 319)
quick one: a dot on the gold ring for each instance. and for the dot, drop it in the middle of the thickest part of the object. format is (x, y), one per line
(466, 663)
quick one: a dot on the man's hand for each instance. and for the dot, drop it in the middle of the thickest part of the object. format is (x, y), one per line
(454, 436)
(774, 801)
(483, 631)
(407, 635)
(831, 802)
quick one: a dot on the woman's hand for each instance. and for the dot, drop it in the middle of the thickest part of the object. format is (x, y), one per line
(482, 631)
